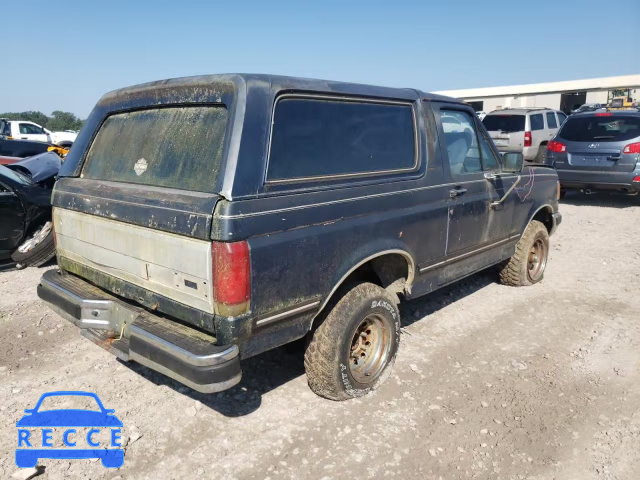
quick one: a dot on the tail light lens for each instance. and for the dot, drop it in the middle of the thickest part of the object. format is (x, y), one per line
(556, 147)
(637, 179)
(632, 148)
(231, 278)
(527, 139)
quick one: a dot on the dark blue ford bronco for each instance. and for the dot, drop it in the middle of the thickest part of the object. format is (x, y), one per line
(204, 220)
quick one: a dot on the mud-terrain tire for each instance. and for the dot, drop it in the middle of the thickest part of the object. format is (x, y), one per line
(363, 326)
(528, 263)
(40, 254)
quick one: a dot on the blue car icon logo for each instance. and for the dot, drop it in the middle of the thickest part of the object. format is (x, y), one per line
(69, 425)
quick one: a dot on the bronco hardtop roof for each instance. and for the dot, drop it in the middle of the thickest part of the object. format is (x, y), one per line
(235, 82)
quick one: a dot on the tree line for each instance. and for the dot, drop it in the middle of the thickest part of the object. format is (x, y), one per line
(58, 120)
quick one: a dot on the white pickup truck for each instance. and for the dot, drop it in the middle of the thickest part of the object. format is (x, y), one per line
(25, 130)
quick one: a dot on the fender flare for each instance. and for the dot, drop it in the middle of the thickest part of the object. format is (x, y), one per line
(411, 272)
(546, 205)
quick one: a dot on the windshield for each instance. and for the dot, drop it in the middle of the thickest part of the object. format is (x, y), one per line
(504, 123)
(178, 147)
(610, 128)
(17, 177)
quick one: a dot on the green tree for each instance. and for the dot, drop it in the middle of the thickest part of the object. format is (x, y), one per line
(36, 117)
(63, 121)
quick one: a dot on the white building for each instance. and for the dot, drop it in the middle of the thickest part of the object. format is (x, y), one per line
(564, 96)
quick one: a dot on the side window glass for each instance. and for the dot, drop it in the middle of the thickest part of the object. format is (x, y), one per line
(461, 142)
(489, 160)
(561, 118)
(316, 138)
(24, 128)
(551, 120)
(537, 123)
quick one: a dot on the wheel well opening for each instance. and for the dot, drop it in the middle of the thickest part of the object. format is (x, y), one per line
(544, 216)
(390, 271)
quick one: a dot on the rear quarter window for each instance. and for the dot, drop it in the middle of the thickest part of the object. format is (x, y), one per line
(316, 138)
(537, 122)
(177, 147)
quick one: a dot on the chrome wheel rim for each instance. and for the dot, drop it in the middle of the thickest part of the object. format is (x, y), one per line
(537, 260)
(37, 238)
(370, 347)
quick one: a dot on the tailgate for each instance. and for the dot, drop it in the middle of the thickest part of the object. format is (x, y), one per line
(505, 140)
(175, 266)
(603, 159)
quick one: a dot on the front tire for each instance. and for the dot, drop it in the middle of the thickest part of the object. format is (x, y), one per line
(528, 263)
(354, 348)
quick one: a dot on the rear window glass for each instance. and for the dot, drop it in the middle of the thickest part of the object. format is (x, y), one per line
(318, 137)
(537, 123)
(504, 123)
(603, 129)
(551, 120)
(177, 147)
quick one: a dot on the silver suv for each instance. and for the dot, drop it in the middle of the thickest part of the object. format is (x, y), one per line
(526, 130)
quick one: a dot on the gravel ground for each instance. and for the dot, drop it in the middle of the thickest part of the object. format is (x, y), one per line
(491, 382)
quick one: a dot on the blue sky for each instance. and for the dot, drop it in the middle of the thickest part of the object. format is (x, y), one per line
(65, 55)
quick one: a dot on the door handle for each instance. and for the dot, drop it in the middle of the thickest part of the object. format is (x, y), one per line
(455, 192)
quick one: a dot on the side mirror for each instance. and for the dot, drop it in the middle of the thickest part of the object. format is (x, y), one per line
(512, 162)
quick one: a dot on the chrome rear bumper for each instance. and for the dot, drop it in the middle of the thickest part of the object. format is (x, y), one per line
(133, 334)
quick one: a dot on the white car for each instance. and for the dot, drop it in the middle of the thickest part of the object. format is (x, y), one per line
(25, 130)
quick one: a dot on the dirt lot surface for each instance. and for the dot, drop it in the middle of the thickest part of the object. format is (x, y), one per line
(491, 382)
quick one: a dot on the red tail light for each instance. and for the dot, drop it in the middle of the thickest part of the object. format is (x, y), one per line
(557, 147)
(527, 139)
(632, 148)
(231, 278)
(637, 179)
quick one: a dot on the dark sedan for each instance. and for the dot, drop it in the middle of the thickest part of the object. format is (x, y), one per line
(26, 235)
(598, 150)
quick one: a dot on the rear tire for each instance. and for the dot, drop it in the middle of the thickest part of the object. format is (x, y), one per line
(354, 348)
(38, 254)
(528, 263)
